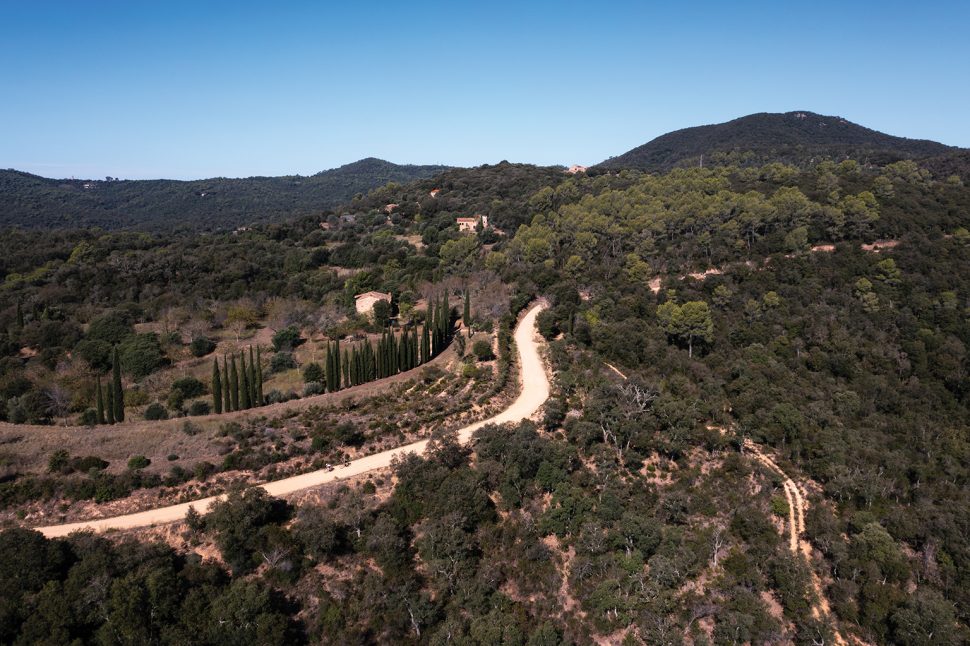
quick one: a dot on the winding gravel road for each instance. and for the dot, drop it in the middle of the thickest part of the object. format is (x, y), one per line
(535, 391)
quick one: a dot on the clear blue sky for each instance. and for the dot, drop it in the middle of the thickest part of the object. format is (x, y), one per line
(139, 89)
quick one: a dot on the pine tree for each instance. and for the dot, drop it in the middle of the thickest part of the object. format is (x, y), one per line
(244, 390)
(216, 387)
(226, 386)
(259, 377)
(110, 405)
(100, 402)
(118, 395)
(234, 386)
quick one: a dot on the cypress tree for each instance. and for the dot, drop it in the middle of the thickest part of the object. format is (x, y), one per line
(216, 387)
(415, 349)
(370, 363)
(354, 366)
(345, 368)
(234, 386)
(387, 358)
(20, 314)
(110, 405)
(466, 313)
(118, 396)
(381, 351)
(444, 320)
(226, 397)
(244, 391)
(259, 377)
(328, 372)
(336, 365)
(429, 325)
(100, 402)
(425, 344)
(253, 387)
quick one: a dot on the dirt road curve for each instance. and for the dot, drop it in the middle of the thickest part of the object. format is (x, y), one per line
(535, 391)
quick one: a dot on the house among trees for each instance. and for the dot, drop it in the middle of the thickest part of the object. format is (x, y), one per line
(365, 302)
(471, 224)
(434, 192)
(576, 168)
(390, 208)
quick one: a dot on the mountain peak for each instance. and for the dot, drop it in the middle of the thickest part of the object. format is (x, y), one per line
(799, 137)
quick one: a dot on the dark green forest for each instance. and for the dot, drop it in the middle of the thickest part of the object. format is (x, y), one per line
(827, 321)
(212, 204)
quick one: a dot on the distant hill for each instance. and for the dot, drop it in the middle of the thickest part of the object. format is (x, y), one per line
(36, 202)
(798, 138)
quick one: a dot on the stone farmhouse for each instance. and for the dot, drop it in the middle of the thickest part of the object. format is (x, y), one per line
(471, 224)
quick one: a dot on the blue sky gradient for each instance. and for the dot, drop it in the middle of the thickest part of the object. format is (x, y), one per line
(199, 89)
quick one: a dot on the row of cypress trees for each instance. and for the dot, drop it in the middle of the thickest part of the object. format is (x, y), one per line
(237, 387)
(241, 387)
(111, 400)
(393, 353)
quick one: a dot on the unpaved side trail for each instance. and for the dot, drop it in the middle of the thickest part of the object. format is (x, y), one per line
(534, 393)
(798, 545)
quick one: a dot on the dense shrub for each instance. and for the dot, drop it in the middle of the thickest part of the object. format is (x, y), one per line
(287, 339)
(201, 346)
(199, 407)
(156, 412)
(89, 417)
(483, 350)
(282, 361)
(138, 462)
(141, 355)
(189, 386)
(312, 388)
(312, 372)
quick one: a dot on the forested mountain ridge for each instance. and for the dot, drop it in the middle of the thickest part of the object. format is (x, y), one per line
(213, 204)
(799, 138)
